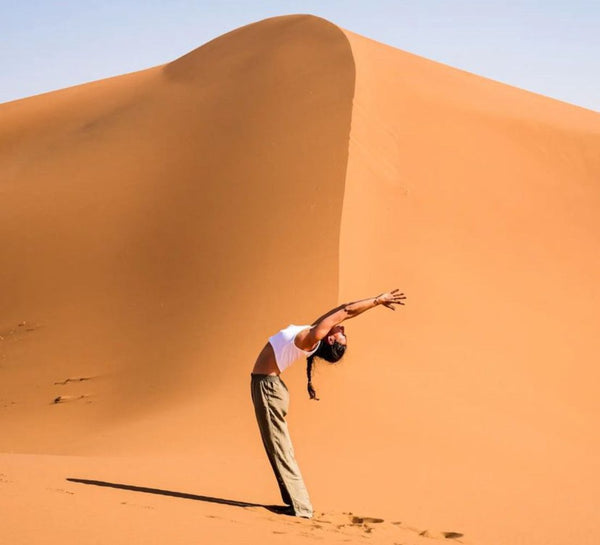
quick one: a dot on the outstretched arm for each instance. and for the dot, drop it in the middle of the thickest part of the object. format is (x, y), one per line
(321, 327)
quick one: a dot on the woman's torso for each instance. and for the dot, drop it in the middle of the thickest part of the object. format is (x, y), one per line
(281, 351)
(265, 363)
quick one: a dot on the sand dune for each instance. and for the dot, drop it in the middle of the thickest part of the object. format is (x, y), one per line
(158, 226)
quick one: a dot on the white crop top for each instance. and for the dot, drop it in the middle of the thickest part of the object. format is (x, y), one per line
(286, 351)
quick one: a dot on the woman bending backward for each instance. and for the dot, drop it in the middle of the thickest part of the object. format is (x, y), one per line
(325, 339)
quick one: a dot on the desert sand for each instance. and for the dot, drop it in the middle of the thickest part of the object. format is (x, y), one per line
(157, 227)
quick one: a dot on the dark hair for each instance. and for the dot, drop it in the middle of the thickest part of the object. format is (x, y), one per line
(328, 352)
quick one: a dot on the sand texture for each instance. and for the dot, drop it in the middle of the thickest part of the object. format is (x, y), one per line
(157, 227)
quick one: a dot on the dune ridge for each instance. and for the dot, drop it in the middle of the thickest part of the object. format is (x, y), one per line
(158, 226)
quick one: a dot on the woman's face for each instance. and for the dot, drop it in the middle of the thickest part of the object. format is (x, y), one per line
(337, 334)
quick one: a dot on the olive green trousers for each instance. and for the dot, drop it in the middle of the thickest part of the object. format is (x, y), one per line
(271, 402)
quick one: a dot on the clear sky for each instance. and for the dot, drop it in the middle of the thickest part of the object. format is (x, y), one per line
(550, 47)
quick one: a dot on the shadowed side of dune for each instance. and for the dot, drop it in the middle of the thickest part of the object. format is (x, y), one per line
(157, 226)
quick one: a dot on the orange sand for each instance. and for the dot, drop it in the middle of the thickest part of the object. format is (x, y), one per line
(158, 226)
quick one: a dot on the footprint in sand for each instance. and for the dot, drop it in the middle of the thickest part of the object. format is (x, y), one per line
(366, 520)
(346, 520)
(364, 523)
(66, 381)
(66, 399)
(446, 535)
(137, 505)
(17, 333)
(62, 491)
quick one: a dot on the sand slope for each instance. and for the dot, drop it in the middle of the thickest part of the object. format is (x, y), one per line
(159, 225)
(155, 222)
(487, 202)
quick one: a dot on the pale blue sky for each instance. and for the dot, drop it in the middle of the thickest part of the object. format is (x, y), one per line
(550, 47)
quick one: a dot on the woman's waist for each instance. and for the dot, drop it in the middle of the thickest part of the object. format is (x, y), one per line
(262, 376)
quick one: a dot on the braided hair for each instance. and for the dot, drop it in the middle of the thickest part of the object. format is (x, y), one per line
(328, 352)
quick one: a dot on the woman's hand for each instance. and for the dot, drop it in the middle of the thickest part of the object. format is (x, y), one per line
(322, 326)
(390, 299)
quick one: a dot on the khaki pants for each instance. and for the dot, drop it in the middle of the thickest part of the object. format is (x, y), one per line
(271, 401)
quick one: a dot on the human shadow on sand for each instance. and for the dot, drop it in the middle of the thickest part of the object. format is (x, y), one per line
(280, 509)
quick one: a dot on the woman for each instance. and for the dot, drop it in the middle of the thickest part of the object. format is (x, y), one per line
(325, 339)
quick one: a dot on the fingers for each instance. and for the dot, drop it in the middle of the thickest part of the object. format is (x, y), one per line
(397, 299)
(396, 294)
